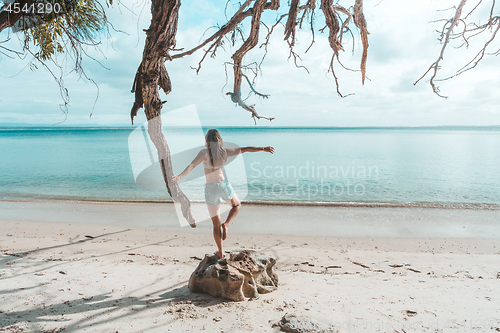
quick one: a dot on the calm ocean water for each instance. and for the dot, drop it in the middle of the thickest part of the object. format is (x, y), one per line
(444, 166)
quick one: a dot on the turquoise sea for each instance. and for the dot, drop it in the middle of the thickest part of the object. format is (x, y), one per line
(441, 165)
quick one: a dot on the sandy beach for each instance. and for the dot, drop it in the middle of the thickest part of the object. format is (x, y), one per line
(67, 267)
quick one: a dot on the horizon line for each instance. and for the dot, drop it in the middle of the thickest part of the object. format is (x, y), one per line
(46, 126)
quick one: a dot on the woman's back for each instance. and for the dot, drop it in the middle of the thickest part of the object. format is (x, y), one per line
(213, 173)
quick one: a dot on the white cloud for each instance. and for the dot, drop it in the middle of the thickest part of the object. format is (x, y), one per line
(402, 46)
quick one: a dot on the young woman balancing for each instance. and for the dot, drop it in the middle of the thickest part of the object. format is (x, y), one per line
(214, 156)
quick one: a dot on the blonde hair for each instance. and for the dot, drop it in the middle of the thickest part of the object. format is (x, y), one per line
(213, 141)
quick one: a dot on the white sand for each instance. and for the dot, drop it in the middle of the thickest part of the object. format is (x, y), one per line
(127, 279)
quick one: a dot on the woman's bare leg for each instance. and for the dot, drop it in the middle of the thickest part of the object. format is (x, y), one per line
(214, 211)
(235, 208)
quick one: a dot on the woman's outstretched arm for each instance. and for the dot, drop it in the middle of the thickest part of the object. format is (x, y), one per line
(197, 160)
(241, 150)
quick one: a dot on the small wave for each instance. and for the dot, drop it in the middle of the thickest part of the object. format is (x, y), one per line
(279, 203)
(377, 204)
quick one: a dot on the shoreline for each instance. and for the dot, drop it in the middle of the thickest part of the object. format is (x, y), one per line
(331, 221)
(346, 204)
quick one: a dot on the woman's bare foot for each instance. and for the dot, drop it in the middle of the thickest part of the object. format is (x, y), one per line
(224, 231)
(219, 254)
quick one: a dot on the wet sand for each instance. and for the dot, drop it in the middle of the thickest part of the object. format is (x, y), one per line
(332, 221)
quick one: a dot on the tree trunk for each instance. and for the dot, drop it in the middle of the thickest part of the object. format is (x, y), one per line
(151, 75)
(164, 157)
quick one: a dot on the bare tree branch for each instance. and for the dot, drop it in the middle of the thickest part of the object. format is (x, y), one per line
(435, 65)
(360, 21)
(469, 31)
(237, 57)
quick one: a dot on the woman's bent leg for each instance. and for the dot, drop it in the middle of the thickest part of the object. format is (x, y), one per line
(214, 211)
(235, 208)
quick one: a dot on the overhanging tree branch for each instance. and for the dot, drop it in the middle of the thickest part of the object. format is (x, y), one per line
(434, 67)
(469, 31)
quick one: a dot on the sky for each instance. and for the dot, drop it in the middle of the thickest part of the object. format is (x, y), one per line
(403, 44)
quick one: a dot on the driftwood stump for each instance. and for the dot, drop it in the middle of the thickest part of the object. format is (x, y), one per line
(245, 274)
